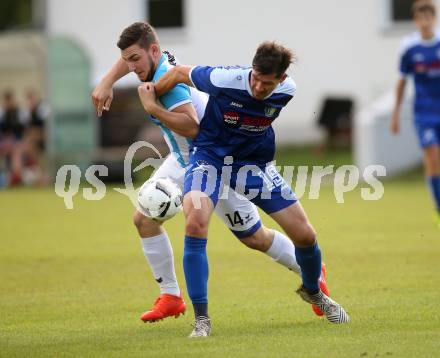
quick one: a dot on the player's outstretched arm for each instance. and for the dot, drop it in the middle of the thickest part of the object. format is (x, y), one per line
(178, 74)
(102, 95)
(181, 120)
(395, 119)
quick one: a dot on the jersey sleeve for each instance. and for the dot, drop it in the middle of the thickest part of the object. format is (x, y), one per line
(178, 96)
(201, 78)
(405, 64)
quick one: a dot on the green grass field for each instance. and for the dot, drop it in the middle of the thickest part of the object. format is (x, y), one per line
(73, 283)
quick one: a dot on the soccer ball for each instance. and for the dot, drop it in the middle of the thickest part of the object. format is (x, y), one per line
(160, 199)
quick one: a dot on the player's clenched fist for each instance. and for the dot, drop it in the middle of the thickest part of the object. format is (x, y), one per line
(147, 96)
(102, 97)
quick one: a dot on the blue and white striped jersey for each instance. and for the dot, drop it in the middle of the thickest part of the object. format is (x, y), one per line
(235, 123)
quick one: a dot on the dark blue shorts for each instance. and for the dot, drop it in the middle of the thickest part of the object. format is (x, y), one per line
(428, 132)
(427, 128)
(262, 185)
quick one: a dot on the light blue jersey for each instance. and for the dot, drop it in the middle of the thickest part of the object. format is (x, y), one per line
(179, 95)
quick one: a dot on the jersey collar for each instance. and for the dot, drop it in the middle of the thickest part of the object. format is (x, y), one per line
(163, 58)
(248, 82)
(429, 42)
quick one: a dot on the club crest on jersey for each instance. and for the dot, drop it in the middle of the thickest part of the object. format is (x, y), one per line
(418, 57)
(270, 111)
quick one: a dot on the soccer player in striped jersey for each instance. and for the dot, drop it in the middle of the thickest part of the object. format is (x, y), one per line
(178, 116)
(236, 130)
(420, 58)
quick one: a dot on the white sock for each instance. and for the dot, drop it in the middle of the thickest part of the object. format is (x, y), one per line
(283, 252)
(159, 255)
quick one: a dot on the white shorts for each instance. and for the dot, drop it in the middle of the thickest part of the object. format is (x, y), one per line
(238, 213)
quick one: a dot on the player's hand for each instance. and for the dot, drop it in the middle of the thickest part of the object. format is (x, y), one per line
(147, 96)
(102, 97)
(395, 123)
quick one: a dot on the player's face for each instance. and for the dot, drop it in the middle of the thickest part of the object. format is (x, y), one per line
(263, 85)
(140, 61)
(425, 21)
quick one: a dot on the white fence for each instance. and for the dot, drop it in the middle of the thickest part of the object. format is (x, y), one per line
(374, 144)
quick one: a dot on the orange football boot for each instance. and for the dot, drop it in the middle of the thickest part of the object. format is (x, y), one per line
(165, 306)
(323, 287)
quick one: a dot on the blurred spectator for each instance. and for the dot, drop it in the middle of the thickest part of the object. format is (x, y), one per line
(34, 140)
(37, 110)
(22, 141)
(11, 133)
(11, 118)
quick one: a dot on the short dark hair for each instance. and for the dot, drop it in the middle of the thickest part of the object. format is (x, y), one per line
(272, 57)
(139, 33)
(422, 6)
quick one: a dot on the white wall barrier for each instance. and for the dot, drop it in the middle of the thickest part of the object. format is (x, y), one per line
(373, 142)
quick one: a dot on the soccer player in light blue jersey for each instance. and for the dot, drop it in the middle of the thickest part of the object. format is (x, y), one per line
(420, 58)
(178, 113)
(236, 133)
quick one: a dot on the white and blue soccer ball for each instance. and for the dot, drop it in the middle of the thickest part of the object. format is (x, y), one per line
(160, 199)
